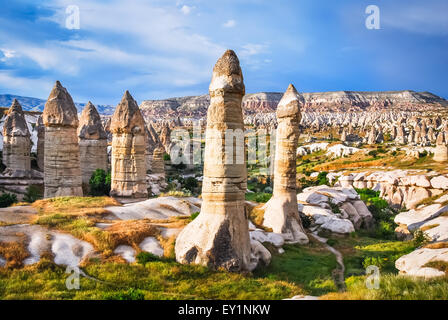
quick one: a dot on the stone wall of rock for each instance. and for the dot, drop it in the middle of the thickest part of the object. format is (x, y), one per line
(219, 236)
(40, 143)
(402, 188)
(62, 171)
(315, 202)
(281, 212)
(16, 142)
(92, 143)
(128, 163)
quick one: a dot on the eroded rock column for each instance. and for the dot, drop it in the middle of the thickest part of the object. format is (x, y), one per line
(40, 143)
(92, 143)
(441, 150)
(219, 236)
(128, 161)
(62, 171)
(16, 142)
(282, 214)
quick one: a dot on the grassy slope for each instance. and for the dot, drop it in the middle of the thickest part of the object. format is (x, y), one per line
(309, 266)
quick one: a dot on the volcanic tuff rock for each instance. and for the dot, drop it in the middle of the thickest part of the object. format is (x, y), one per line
(128, 161)
(266, 102)
(219, 236)
(353, 213)
(40, 143)
(62, 165)
(281, 212)
(16, 142)
(92, 143)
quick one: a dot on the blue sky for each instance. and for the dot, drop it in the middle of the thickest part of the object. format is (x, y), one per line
(160, 49)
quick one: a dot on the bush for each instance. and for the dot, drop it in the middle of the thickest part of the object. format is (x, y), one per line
(166, 157)
(194, 215)
(373, 153)
(381, 212)
(100, 182)
(259, 197)
(144, 257)
(191, 183)
(7, 199)
(334, 207)
(306, 221)
(420, 238)
(374, 261)
(32, 194)
(322, 178)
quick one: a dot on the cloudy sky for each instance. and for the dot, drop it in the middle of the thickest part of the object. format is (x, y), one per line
(165, 48)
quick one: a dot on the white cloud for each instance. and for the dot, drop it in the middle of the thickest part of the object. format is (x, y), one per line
(252, 49)
(36, 87)
(426, 18)
(186, 9)
(7, 54)
(229, 24)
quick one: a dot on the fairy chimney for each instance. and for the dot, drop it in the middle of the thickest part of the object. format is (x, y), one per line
(16, 142)
(62, 171)
(92, 143)
(282, 214)
(219, 236)
(128, 163)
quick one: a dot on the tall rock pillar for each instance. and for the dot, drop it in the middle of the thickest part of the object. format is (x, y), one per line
(40, 143)
(92, 143)
(282, 214)
(441, 150)
(62, 171)
(16, 142)
(219, 236)
(128, 150)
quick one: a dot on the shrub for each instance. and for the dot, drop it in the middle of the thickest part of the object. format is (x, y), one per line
(166, 157)
(194, 215)
(322, 178)
(258, 197)
(32, 194)
(381, 212)
(7, 199)
(334, 207)
(420, 238)
(373, 153)
(306, 221)
(191, 183)
(100, 183)
(144, 257)
(374, 261)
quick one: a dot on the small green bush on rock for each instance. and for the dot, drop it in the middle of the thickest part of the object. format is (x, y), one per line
(7, 199)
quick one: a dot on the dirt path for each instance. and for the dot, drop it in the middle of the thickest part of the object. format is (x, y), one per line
(338, 273)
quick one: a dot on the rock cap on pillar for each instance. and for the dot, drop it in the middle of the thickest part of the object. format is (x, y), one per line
(90, 126)
(127, 116)
(60, 110)
(227, 74)
(289, 105)
(15, 124)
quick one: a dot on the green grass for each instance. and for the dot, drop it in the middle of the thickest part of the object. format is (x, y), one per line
(356, 250)
(394, 287)
(260, 197)
(309, 266)
(154, 280)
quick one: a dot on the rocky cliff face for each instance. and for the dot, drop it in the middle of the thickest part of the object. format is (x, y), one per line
(266, 102)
